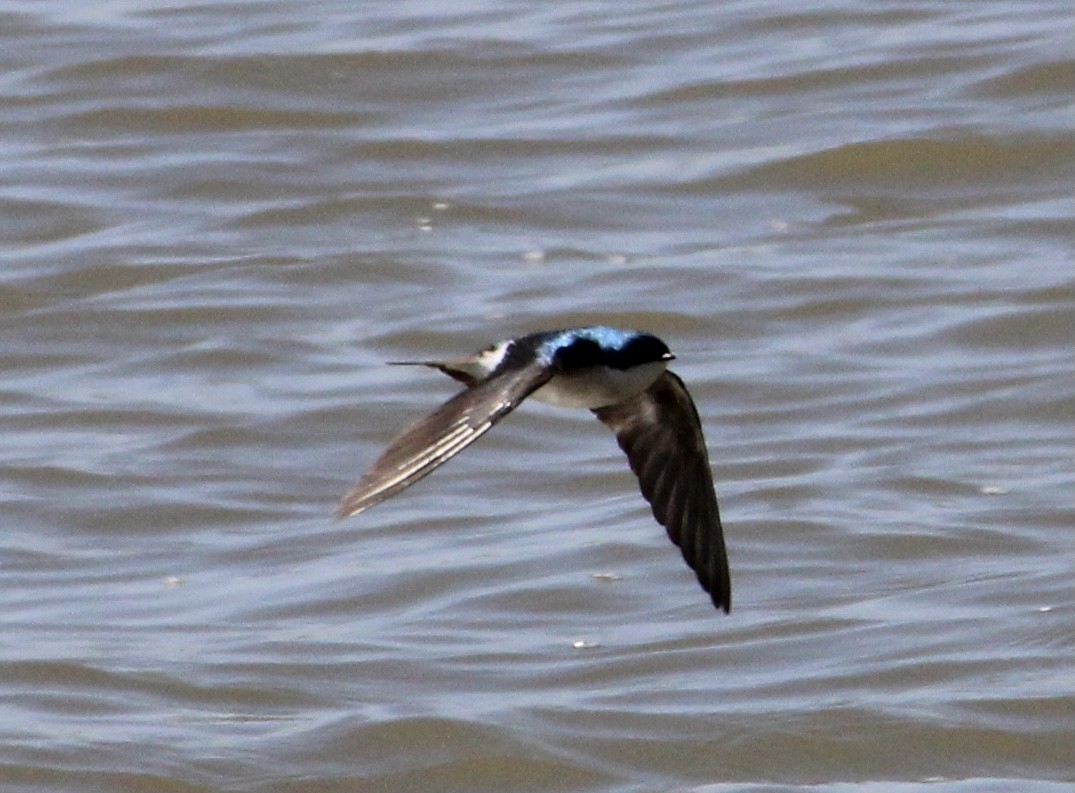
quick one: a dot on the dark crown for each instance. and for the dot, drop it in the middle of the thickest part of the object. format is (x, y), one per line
(583, 353)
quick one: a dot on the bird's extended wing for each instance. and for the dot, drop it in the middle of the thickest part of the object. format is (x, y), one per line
(429, 443)
(662, 435)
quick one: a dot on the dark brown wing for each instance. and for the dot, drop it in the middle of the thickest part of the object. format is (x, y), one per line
(662, 435)
(428, 444)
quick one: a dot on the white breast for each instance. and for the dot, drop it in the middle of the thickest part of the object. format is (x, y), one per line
(599, 386)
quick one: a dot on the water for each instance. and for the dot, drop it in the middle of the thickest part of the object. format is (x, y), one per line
(853, 224)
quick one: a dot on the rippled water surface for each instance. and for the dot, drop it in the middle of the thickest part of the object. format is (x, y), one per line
(853, 223)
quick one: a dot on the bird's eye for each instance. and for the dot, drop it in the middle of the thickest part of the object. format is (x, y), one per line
(647, 348)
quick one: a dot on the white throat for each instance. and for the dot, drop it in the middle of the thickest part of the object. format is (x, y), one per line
(599, 386)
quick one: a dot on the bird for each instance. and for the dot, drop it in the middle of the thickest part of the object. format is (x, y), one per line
(621, 376)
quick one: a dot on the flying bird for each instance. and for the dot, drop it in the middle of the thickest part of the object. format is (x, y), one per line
(619, 375)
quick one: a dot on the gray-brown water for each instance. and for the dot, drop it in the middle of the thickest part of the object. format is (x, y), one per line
(854, 224)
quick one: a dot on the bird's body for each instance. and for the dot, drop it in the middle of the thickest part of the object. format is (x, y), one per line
(621, 377)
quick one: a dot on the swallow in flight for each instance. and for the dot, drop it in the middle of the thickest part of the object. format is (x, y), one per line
(619, 375)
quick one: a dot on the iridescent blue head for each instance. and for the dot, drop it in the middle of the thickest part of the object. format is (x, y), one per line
(599, 345)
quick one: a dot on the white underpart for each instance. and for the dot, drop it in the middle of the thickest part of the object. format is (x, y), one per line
(484, 363)
(599, 386)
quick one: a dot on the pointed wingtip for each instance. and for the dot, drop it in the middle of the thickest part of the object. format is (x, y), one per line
(722, 598)
(348, 509)
(721, 593)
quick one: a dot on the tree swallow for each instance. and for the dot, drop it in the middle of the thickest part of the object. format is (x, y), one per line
(620, 376)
